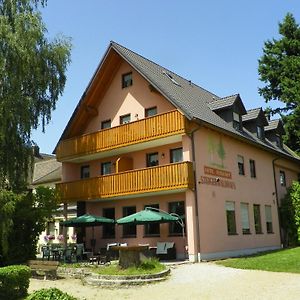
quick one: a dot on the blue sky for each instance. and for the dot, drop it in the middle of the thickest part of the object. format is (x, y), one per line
(215, 43)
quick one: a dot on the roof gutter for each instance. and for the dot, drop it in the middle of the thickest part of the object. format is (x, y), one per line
(198, 243)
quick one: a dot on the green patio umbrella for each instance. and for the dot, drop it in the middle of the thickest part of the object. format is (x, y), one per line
(148, 216)
(87, 220)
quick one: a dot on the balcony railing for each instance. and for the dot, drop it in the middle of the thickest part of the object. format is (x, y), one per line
(163, 125)
(176, 176)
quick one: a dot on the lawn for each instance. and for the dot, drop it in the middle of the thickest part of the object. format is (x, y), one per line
(286, 260)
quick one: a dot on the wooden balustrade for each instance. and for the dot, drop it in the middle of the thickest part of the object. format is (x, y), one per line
(143, 130)
(176, 176)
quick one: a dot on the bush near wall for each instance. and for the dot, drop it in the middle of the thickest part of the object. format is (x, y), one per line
(290, 215)
(50, 294)
(14, 282)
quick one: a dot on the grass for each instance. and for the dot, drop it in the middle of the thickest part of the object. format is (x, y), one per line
(286, 260)
(148, 266)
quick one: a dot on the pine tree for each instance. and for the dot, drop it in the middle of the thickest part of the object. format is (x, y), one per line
(279, 69)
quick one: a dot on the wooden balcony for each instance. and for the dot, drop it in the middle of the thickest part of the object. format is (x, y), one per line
(167, 178)
(141, 131)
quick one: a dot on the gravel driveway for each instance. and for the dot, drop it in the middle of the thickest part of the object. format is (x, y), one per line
(192, 281)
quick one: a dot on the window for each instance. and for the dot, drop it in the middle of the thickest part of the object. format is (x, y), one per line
(149, 112)
(236, 121)
(109, 229)
(252, 168)
(269, 224)
(245, 218)
(282, 178)
(106, 124)
(176, 155)
(50, 228)
(106, 168)
(230, 215)
(260, 132)
(278, 141)
(257, 218)
(85, 172)
(177, 208)
(152, 229)
(129, 230)
(125, 119)
(152, 159)
(241, 165)
(126, 80)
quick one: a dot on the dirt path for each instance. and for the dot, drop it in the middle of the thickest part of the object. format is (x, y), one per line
(192, 281)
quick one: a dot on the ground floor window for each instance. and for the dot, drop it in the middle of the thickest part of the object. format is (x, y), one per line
(230, 215)
(257, 218)
(245, 218)
(109, 229)
(129, 230)
(152, 229)
(269, 224)
(50, 228)
(177, 208)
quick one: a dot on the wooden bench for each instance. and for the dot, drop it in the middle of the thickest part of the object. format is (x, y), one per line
(48, 269)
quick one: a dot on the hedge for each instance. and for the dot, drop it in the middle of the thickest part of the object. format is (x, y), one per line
(50, 294)
(14, 282)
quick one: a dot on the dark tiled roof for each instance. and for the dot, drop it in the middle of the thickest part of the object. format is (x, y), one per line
(252, 114)
(46, 171)
(222, 102)
(189, 98)
(273, 125)
(51, 177)
(193, 101)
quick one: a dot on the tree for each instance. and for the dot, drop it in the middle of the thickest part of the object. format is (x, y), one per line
(290, 215)
(32, 77)
(279, 69)
(22, 221)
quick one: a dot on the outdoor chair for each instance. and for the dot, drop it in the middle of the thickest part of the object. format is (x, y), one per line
(79, 252)
(69, 255)
(166, 250)
(113, 253)
(104, 256)
(46, 252)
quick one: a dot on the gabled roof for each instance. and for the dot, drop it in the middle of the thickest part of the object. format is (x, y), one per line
(227, 102)
(253, 114)
(51, 177)
(275, 125)
(193, 101)
(46, 171)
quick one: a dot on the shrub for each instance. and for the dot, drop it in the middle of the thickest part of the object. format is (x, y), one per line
(290, 215)
(14, 282)
(50, 294)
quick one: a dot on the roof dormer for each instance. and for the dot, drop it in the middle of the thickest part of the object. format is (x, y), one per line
(255, 121)
(274, 131)
(230, 109)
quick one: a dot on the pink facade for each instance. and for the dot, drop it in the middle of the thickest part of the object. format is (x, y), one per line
(220, 192)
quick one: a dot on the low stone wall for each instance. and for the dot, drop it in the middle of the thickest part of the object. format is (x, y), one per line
(91, 278)
(77, 273)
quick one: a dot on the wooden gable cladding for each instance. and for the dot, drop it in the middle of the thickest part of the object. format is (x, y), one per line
(94, 93)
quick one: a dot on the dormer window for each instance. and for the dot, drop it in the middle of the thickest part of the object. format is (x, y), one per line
(236, 121)
(278, 141)
(126, 80)
(260, 132)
